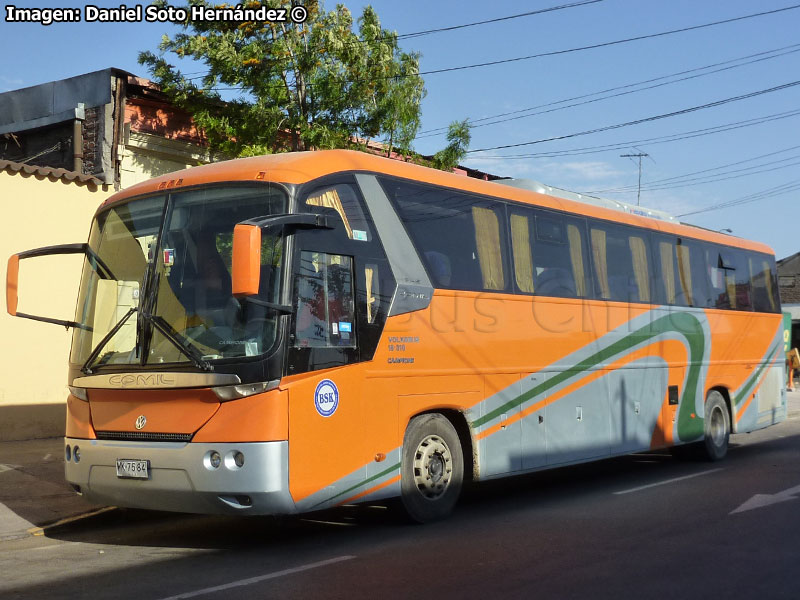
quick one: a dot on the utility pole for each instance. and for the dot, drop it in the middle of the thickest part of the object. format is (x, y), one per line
(639, 155)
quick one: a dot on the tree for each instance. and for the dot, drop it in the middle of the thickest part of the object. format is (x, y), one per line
(458, 138)
(316, 84)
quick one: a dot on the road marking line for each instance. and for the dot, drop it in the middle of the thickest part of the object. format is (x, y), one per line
(665, 482)
(260, 578)
(337, 523)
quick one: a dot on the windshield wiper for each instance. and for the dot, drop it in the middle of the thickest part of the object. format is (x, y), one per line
(179, 341)
(167, 331)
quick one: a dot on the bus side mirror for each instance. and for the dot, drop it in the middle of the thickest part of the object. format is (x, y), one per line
(12, 279)
(246, 260)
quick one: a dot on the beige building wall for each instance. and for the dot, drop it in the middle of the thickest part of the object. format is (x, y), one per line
(147, 156)
(40, 211)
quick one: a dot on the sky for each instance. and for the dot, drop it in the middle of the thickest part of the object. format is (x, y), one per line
(716, 109)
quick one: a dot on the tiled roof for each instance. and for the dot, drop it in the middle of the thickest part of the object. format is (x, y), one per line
(79, 178)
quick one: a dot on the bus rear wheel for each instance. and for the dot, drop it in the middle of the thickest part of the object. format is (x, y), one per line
(717, 427)
(432, 469)
(716, 433)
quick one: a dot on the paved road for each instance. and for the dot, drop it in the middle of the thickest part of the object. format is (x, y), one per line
(643, 525)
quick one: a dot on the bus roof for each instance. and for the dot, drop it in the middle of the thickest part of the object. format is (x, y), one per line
(301, 167)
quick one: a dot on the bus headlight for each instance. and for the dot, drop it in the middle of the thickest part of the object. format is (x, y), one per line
(79, 393)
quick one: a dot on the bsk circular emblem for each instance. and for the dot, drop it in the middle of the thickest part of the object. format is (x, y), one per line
(326, 397)
(141, 421)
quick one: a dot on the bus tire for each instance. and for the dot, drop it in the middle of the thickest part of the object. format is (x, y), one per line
(432, 468)
(717, 427)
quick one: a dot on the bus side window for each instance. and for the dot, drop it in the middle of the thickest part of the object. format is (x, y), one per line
(621, 265)
(762, 277)
(641, 268)
(487, 241)
(723, 284)
(521, 250)
(323, 299)
(373, 291)
(692, 274)
(343, 198)
(702, 295)
(460, 237)
(551, 262)
(676, 280)
(741, 275)
(548, 253)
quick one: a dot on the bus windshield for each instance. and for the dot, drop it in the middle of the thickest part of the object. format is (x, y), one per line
(166, 295)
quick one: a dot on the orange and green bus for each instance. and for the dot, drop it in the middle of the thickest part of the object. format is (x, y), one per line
(289, 333)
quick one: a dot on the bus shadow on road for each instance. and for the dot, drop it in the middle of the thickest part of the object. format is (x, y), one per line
(542, 492)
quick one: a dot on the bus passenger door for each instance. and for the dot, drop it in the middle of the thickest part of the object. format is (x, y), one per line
(341, 289)
(325, 442)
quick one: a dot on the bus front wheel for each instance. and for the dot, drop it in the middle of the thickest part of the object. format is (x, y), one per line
(432, 468)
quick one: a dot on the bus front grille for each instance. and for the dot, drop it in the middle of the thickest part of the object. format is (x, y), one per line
(140, 436)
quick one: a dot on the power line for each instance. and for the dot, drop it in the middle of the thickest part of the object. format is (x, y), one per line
(646, 119)
(754, 170)
(651, 141)
(570, 50)
(790, 186)
(656, 183)
(416, 34)
(606, 44)
(495, 119)
(497, 20)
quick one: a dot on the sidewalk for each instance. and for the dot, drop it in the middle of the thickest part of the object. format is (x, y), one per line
(34, 495)
(33, 492)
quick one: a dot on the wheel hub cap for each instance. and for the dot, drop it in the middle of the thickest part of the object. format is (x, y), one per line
(717, 427)
(433, 466)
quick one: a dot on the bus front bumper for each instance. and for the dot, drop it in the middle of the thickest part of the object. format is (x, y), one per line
(180, 476)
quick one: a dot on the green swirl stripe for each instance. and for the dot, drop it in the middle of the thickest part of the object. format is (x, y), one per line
(685, 324)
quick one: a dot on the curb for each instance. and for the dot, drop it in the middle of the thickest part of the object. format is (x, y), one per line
(41, 531)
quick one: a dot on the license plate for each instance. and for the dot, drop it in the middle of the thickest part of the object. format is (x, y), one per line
(133, 469)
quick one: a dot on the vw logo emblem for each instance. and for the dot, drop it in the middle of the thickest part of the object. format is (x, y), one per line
(141, 421)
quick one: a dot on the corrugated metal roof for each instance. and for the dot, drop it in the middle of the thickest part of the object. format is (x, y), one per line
(79, 178)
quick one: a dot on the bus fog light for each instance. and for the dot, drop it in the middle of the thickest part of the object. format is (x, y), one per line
(68, 453)
(213, 460)
(234, 460)
(76, 454)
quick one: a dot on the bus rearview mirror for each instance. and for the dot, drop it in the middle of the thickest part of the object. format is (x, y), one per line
(12, 279)
(246, 260)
